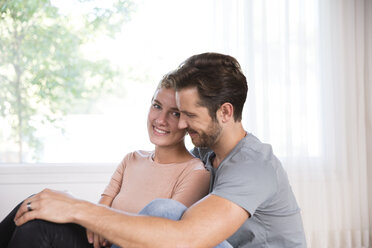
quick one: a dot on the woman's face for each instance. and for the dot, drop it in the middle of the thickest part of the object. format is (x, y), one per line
(162, 120)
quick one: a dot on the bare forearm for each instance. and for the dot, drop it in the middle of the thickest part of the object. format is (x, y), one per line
(96, 239)
(120, 228)
(128, 230)
(204, 224)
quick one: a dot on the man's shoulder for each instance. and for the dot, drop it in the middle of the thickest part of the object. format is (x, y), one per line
(250, 149)
(202, 153)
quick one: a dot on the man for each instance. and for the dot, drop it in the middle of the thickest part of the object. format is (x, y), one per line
(250, 204)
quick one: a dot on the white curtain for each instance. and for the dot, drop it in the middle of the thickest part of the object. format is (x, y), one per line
(309, 70)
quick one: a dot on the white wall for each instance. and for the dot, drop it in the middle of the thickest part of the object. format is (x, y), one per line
(18, 181)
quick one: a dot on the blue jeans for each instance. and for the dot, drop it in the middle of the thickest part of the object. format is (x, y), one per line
(170, 209)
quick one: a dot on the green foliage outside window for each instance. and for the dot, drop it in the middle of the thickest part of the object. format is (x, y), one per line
(44, 72)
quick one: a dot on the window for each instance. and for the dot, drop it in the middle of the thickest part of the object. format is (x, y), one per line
(276, 47)
(104, 126)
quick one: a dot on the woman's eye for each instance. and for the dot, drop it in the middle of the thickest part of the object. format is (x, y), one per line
(156, 106)
(176, 114)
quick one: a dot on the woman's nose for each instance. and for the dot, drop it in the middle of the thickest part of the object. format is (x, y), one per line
(161, 118)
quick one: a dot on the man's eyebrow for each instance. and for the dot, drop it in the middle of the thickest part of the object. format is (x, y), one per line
(175, 109)
(199, 104)
(187, 113)
(156, 101)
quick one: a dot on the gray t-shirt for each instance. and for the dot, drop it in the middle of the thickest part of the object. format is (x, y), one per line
(253, 178)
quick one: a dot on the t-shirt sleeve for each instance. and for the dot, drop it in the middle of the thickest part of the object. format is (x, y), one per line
(193, 184)
(201, 153)
(114, 186)
(246, 182)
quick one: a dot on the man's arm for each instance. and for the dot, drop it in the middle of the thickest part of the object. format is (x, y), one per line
(205, 224)
(96, 239)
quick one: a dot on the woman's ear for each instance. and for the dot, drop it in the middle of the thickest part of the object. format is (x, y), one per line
(226, 112)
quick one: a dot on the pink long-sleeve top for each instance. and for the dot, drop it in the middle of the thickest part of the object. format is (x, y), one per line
(138, 180)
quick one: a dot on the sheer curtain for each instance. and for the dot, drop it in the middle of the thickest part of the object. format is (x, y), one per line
(309, 70)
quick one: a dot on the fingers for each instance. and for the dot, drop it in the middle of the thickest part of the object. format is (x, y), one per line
(32, 202)
(21, 210)
(96, 243)
(28, 205)
(90, 236)
(96, 240)
(27, 211)
(25, 217)
(47, 205)
(102, 241)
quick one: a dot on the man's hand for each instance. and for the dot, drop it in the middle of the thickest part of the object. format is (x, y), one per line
(97, 240)
(47, 205)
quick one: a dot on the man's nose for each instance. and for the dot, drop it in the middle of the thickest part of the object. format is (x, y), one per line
(182, 123)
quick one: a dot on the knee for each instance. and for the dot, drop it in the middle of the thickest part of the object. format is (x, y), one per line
(32, 233)
(32, 226)
(166, 208)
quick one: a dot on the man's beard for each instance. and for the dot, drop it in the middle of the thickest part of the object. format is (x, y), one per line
(209, 137)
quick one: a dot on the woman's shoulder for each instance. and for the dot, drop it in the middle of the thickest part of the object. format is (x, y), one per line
(137, 155)
(142, 153)
(195, 164)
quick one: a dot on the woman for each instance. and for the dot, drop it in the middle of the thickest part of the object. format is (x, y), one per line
(169, 171)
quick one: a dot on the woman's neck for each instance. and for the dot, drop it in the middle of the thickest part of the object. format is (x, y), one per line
(172, 154)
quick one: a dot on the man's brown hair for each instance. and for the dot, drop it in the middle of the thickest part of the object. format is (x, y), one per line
(218, 79)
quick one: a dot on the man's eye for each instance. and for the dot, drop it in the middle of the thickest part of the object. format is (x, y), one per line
(190, 115)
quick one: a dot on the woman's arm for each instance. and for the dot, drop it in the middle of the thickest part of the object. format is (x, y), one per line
(106, 200)
(192, 187)
(115, 184)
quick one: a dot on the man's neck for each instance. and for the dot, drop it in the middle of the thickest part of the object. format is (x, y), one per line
(229, 138)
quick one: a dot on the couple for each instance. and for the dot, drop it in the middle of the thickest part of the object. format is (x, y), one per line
(250, 202)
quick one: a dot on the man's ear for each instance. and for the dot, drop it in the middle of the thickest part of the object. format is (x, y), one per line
(226, 112)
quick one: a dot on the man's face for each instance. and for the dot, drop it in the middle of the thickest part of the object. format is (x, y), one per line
(203, 130)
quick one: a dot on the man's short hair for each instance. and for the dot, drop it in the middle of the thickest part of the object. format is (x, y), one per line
(218, 79)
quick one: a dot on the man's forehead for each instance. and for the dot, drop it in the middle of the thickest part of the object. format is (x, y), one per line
(187, 96)
(188, 103)
(190, 91)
